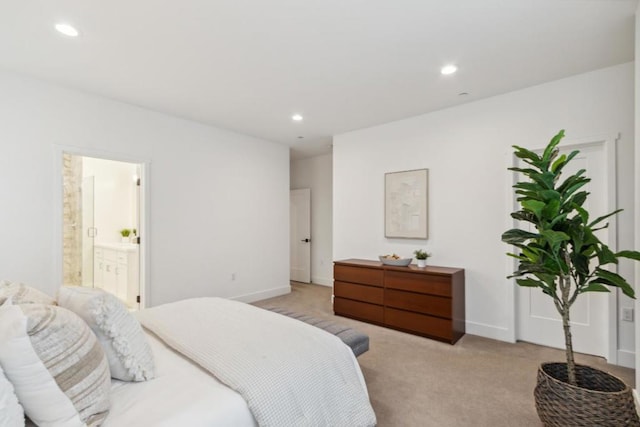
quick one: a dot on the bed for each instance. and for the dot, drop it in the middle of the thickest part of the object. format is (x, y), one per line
(197, 362)
(203, 400)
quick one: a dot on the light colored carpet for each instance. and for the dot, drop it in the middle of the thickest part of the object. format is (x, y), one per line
(415, 381)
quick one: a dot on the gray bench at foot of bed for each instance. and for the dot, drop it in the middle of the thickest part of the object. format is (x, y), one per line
(358, 341)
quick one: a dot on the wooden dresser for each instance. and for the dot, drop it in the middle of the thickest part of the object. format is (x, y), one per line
(423, 301)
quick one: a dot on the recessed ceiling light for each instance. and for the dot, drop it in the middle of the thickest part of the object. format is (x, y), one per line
(67, 30)
(448, 69)
(296, 117)
(463, 94)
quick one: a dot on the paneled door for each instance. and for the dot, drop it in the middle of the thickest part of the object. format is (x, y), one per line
(300, 235)
(538, 320)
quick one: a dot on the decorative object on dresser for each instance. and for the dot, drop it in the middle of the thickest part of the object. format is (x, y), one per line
(423, 301)
(405, 204)
(421, 257)
(394, 260)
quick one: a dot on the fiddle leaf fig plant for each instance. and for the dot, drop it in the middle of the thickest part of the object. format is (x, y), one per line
(561, 254)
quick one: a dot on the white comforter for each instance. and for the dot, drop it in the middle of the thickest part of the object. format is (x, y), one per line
(290, 373)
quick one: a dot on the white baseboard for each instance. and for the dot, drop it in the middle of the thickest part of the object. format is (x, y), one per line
(322, 281)
(258, 296)
(489, 331)
(627, 359)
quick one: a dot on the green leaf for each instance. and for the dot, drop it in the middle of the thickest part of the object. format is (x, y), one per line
(551, 209)
(531, 283)
(584, 215)
(554, 238)
(613, 279)
(548, 152)
(559, 168)
(534, 206)
(550, 195)
(629, 254)
(578, 199)
(559, 161)
(605, 256)
(526, 171)
(531, 186)
(523, 216)
(594, 287)
(597, 220)
(517, 236)
(523, 153)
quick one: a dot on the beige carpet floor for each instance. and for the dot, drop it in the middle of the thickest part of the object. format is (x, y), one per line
(415, 381)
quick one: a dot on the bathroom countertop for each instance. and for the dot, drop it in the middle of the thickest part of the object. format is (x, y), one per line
(128, 247)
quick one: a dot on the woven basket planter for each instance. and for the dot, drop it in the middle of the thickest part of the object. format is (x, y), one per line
(600, 399)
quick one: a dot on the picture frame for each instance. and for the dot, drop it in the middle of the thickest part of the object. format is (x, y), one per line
(406, 204)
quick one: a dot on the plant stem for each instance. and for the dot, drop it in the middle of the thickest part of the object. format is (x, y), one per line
(566, 304)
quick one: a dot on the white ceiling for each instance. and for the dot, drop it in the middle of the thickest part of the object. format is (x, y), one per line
(248, 65)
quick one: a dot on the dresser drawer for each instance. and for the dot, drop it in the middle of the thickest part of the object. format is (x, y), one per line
(365, 276)
(419, 323)
(372, 294)
(426, 304)
(358, 310)
(418, 282)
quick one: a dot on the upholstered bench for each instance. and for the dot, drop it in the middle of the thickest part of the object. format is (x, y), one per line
(358, 341)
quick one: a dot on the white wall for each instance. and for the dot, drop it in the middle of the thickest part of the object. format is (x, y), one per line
(316, 173)
(467, 150)
(637, 186)
(114, 196)
(218, 200)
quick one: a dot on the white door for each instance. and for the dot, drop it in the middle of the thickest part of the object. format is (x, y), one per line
(538, 320)
(300, 235)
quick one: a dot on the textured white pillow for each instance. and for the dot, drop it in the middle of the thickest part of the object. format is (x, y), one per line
(11, 413)
(23, 294)
(119, 333)
(58, 369)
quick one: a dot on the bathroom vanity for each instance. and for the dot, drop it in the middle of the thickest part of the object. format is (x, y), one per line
(116, 270)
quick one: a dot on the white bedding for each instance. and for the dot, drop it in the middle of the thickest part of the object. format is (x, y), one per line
(288, 372)
(182, 394)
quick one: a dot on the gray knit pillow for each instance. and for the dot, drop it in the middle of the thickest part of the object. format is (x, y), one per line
(58, 369)
(118, 331)
(23, 294)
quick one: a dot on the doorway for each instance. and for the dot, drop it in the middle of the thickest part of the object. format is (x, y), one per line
(593, 315)
(300, 235)
(101, 225)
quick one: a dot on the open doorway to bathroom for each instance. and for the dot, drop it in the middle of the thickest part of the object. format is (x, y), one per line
(101, 225)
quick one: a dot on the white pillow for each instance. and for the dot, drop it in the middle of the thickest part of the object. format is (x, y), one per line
(11, 413)
(58, 369)
(23, 294)
(120, 334)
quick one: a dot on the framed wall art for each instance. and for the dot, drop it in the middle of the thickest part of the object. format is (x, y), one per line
(405, 204)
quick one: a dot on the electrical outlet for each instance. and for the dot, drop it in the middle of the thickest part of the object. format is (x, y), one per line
(627, 314)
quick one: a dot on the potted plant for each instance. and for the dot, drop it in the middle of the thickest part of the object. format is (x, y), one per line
(564, 258)
(421, 256)
(125, 233)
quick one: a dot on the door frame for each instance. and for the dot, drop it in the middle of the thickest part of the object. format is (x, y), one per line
(58, 219)
(609, 143)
